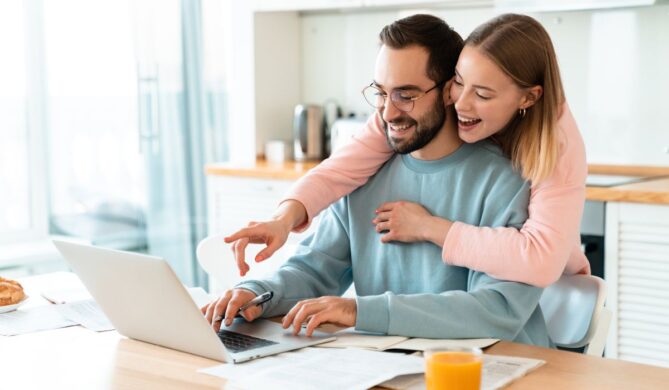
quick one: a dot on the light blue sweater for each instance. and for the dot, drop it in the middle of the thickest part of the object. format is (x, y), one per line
(405, 288)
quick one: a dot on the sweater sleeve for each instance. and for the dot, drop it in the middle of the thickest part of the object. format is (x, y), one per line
(545, 246)
(347, 169)
(490, 308)
(321, 266)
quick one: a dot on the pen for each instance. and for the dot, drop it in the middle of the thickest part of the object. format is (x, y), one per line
(259, 300)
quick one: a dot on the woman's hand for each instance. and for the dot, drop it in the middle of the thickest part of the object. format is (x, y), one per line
(273, 233)
(409, 222)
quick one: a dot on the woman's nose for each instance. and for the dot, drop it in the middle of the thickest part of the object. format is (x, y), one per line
(463, 102)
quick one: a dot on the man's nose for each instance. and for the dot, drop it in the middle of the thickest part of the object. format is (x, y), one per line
(390, 112)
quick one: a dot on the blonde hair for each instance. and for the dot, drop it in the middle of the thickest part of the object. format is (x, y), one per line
(522, 48)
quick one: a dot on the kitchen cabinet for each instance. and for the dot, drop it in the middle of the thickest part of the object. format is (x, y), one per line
(637, 276)
(317, 5)
(440, 3)
(304, 5)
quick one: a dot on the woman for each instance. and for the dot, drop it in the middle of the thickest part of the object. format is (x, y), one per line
(504, 60)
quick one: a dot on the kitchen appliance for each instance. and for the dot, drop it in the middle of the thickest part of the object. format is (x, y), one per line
(343, 129)
(308, 132)
(592, 235)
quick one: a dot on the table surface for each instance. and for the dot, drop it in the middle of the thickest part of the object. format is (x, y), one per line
(76, 358)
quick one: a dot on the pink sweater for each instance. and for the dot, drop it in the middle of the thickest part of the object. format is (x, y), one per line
(547, 245)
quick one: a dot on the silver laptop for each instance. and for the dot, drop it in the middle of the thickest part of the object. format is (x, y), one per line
(145, 300)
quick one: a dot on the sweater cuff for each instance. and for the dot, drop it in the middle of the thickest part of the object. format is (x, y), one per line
(372, 314)
(257, 289)
(452, 243)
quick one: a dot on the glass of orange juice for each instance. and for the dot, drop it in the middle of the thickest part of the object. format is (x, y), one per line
(453, 368)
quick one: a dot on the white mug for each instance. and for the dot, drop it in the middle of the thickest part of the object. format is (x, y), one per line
(277, 151)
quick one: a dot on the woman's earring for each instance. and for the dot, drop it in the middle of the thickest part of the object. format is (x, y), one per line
(522, 112)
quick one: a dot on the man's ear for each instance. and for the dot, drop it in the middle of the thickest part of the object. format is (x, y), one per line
(532, 95)
(446, 92)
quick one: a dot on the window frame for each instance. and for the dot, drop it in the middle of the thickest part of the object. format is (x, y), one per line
(36, 132)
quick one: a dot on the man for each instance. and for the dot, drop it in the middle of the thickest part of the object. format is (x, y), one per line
(406, 289)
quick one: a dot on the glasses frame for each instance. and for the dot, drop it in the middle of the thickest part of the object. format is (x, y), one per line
(395, 92)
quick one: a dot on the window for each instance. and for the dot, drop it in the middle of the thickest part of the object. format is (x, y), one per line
(23, 211)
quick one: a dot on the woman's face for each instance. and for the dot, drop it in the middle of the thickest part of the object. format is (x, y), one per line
(486, 99)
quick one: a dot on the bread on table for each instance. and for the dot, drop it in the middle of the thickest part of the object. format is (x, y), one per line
(11, 292)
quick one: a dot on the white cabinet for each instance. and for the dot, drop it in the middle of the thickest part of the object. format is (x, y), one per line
(637, 275)
(430, 3)
(304, 5)
(235, 201)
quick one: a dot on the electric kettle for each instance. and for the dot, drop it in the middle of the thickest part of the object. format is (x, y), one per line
(308, 132)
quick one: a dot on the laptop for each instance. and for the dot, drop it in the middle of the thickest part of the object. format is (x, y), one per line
(145, 300)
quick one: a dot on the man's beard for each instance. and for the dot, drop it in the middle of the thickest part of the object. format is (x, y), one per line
(426, 128)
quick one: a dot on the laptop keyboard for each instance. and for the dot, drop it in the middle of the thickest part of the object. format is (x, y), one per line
(237, 342)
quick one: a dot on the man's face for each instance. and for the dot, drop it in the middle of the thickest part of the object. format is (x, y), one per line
(406, 70)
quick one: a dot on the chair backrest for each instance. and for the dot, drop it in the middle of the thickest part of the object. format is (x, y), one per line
(217, 259)
(573, 307)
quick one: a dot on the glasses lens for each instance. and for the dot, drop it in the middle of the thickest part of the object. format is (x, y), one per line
(402, 100)
(374, 96)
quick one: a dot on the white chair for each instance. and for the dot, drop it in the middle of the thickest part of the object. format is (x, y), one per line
(575, 314)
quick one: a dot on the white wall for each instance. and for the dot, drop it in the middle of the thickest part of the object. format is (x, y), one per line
(615, 67)
(278, 75)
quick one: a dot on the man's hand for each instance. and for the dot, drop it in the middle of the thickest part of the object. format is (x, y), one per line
(335, 310)
(227, 306)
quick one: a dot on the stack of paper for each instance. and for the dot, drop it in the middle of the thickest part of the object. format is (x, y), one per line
(497, 372)
(328, 368)
(32, 320)
(87, 314)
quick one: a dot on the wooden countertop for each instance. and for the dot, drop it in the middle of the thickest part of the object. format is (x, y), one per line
(654, 190)
(289, 170)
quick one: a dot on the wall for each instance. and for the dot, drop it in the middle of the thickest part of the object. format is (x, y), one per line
(614, 63)
(278, 75)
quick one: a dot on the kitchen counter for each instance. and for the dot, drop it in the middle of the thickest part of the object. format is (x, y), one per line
(289, 170)
(654, 189)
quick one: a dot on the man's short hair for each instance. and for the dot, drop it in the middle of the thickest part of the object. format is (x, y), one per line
(434, 34)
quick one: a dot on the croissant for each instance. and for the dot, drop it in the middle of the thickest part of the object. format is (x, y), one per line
(11, 292)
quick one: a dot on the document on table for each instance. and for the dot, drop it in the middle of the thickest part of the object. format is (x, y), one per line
(330, 368)
(498, 371)
(87, 314)
(350, 338)
(32, 320)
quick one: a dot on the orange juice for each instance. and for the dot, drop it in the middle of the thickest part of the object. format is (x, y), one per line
(446, 370)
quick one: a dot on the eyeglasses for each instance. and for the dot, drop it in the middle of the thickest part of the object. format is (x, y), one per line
(403, 100)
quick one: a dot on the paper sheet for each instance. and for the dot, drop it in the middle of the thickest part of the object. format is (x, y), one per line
(328, 369)
(417, 344)
(32, 320)
(87, 314)
(66, 295)
(498, 371)
(350, 338)
(76, 312)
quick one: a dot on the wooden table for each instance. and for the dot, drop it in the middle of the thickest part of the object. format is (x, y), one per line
(76, 358)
